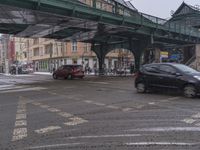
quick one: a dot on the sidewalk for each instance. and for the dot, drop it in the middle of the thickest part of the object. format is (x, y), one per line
(42, 73)
(49, 74)
(26, 75)
(18, 75)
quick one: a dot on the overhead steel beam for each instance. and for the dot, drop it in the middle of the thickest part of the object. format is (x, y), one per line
(85, 12)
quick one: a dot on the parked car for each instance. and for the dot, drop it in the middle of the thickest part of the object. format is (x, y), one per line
(69, 72)
(168, 75)
(123, 71)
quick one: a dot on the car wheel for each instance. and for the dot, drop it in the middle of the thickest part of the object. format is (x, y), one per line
(189, 91)
(70, 77)
(141, 87)
(55, 76)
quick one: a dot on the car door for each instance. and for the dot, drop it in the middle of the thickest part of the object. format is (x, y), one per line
(167, 77)
(59, 71)
(151, 75)
(66, 70)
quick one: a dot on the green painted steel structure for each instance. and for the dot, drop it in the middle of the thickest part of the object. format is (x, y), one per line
(137, 24)
(70, 20)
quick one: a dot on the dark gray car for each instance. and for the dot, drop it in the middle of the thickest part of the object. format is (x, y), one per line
(168, 75)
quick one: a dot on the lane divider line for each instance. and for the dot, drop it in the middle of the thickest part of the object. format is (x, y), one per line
(20, 130)
(47, 129)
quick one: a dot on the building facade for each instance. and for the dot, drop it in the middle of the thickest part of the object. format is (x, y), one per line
(7, 52)
(190, 16)
(47, 54)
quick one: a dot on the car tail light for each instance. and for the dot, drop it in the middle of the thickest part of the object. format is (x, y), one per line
(74, 70)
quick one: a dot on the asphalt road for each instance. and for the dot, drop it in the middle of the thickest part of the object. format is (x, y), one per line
(38, 113)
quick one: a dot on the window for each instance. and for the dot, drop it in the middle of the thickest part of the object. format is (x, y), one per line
(86, 47)
(48, 49)
(165, 69)
(74, 46)
(36, 41)
(152, 69)
(98, 5)
(185, 69)
(36, 52)
(25, 54)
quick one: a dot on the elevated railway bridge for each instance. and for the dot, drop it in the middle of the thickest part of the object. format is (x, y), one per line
(105, 24)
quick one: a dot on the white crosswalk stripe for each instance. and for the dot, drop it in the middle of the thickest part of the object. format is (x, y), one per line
(14, 88)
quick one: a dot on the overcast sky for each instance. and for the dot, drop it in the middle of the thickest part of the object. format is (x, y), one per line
(161, 8)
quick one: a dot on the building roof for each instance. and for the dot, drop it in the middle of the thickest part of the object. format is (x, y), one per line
(187, 14)
(186, 9)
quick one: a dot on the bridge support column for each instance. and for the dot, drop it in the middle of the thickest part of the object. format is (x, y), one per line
(100, 51)
(101, 64)
(138, 47)
(157, 55)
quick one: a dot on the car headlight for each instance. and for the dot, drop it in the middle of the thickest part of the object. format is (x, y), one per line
(197, 77)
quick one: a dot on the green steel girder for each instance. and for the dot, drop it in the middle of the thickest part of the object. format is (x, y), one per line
(63, 33)
(12, 28)
(74, 9)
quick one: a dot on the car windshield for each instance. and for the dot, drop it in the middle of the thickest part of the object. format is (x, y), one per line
(185, 69)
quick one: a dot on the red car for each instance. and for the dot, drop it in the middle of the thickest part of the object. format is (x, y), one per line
(69, 72)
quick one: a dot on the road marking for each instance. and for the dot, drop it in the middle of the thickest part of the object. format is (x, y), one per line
(159, 143)
(151, 103)
(196, 116)
(99, 104)
(23, 90)
(20, 123)
(53, 146)
(127, 109)
(197, 124)
(104, 136)
(112, 106)
(47, 129)
(4, 86)
(88, 101)
(20, 116)
(53, 110)
(21, 111)
(167, 129)
(64, 114)
(189, 120)
(8, 87)
(19, 134)
(44, 106)
(75, 121)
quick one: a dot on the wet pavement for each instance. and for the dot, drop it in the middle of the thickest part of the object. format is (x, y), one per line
(96, 113)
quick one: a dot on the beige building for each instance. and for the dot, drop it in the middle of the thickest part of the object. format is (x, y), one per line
(46, 54)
